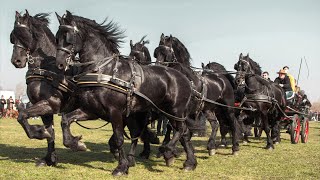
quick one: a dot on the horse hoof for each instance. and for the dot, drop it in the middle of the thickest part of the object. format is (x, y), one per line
(245, 142)
(119, 173)
(188, 168)
(46, 134)
(222, 145)
(41, 163)
(276, 142)
(269, 148)
(81, 146)
(170, 161)
(235, 153)
(212, 152)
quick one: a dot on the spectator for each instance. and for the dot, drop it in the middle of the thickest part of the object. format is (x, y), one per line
(291, 78)
(2, 104)
(10, 103)
(265, 75)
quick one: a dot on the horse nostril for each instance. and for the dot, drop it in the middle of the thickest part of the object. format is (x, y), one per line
(60, 66)
(17, 61)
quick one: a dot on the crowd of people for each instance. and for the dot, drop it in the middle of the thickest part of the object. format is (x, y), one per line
(288, 83)
(7, 107)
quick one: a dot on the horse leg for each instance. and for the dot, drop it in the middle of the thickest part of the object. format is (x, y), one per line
(113, 149)
(51, 158)
(223, 131)
(235, 128)
(275, 132)
(165, 140)
(214, 127)
(117, 126)
(191, 161)
(264, 118)
(69, 140)
(35, 131)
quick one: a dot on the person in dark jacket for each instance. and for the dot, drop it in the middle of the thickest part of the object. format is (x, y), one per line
(2, 104)
(283, 81)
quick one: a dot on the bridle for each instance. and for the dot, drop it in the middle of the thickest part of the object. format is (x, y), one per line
(72, 40)
(242, 74)
(140, 52)
(30, 59)
(174, 59)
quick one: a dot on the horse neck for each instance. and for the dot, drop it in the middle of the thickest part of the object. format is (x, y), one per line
(189, 73)
(44, 54)
(90, 52)
(182, 60)
(252, 84)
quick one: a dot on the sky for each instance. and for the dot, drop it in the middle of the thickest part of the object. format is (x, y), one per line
(275, 33)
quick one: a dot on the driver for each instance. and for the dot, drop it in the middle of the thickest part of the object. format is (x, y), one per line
(283, 81)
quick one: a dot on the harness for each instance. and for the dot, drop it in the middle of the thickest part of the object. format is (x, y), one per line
(38, 74)
(129, 88)
(56, 80)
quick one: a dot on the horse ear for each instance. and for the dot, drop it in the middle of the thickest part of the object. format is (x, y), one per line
(247, 54)
(59, 18)
(27, 14)
(171, 40)
(162, 37)
(131, 44)
(202, 65)
(241, 56)
(68, 15)
(18, 15)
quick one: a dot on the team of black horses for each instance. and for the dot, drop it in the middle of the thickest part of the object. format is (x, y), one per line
(80, 73)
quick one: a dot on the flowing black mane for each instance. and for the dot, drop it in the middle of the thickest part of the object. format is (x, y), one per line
(180, 51)
(109, 31)
(255, 66)
(38, 24)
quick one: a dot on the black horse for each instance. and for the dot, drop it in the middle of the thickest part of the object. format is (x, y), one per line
(111, 86)
(266, 97)
(48, 91)
(206, 87)
(139, 52)
(246, 124)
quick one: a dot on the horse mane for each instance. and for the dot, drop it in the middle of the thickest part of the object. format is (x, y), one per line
(109, 32)
(181, 52)
(145, 42)
(39, 25)
(255, 66)
(220, 68)
(147, 53)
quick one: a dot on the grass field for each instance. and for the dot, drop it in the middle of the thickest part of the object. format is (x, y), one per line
(288, 161)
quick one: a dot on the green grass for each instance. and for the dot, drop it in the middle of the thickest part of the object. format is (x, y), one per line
(288, 161)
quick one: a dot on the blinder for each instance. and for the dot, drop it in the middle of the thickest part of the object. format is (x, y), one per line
(71, 34)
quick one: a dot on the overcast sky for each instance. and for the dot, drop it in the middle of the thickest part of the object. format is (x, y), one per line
(275, 32)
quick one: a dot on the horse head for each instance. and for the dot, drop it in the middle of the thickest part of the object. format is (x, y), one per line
(31, 38)
(140, 52)
(78, 35)
(171, 50)
(164, 53)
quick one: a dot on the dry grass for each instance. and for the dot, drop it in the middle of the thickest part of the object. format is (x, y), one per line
(287, 161)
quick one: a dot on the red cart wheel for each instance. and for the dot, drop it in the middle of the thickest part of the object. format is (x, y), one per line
(305, 130)
(295, 129)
